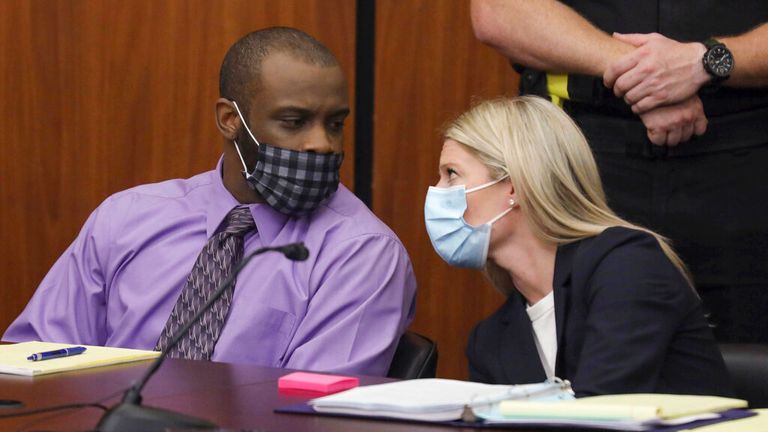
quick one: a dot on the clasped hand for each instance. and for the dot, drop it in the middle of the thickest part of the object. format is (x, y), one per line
(660, 79)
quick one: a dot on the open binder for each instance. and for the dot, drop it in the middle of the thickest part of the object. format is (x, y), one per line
(434, 399)
(548, 404)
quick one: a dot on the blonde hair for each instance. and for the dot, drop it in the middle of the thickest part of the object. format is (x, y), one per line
(550, 164)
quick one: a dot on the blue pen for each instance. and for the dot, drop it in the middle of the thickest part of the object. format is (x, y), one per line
(66, 352)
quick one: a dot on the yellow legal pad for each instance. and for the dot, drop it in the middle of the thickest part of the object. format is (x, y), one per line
(638, 407)
(13, 358)
(758, 423)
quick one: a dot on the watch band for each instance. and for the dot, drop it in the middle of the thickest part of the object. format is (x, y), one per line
(711, 42)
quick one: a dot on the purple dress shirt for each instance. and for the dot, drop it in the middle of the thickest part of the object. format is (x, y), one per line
(342, 310)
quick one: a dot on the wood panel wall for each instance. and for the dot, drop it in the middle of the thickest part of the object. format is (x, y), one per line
(100, 95)
(429, 68)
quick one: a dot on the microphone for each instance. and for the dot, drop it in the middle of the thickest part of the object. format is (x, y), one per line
(130, 415)
(295, 251)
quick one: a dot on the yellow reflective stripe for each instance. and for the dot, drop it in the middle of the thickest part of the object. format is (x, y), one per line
(557, 87)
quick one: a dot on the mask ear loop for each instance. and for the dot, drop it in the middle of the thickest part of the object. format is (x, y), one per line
(485, 185)
(501, 215)
(245, 124)
(489, 184)
(237, 147)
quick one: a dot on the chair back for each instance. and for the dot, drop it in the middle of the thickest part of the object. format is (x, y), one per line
(415, 357)
(748, 366)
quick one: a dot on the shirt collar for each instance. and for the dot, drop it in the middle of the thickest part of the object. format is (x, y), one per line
(268, 221)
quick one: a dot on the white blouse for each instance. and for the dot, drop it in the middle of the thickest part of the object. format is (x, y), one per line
(542, 315)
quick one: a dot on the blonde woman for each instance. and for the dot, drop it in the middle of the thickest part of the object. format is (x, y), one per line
(592, 298)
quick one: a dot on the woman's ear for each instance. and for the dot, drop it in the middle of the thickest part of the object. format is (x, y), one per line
(227, 119)
(512, 196)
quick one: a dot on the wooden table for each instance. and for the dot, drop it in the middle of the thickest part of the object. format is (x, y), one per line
(233, 396)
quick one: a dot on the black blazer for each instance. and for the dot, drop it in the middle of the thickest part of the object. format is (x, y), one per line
(627, 322)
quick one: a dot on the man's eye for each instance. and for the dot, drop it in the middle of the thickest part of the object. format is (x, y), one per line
(293, 123)
(337, 125)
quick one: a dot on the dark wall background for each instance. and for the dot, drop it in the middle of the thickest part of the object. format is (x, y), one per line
(100, 95)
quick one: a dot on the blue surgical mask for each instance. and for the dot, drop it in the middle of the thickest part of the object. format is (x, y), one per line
(457, 242)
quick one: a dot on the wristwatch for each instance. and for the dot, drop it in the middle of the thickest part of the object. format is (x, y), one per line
(718, 61)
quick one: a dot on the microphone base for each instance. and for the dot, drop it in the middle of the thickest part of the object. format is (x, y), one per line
(131, 417)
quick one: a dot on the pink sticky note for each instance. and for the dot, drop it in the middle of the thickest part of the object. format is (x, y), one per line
(314, 382)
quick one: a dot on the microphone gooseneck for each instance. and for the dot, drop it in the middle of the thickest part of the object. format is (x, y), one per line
(129, 415)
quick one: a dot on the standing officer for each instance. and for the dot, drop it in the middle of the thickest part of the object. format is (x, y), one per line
(672, 97)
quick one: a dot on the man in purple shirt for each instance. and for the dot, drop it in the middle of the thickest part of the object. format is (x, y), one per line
(342, 310)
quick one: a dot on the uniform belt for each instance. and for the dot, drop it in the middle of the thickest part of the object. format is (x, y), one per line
(611, 127)
(577, 88)
(628, 135)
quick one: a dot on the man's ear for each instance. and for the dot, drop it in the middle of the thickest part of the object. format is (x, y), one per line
(227, 119)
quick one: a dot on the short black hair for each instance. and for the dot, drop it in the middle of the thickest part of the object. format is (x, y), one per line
(241, 68)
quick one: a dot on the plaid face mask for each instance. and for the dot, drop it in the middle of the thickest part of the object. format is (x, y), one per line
(291, 182)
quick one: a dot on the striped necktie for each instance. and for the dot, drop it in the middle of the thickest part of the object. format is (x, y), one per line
(220, 255)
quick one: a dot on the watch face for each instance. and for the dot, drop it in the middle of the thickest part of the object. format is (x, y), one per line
(719, 61)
